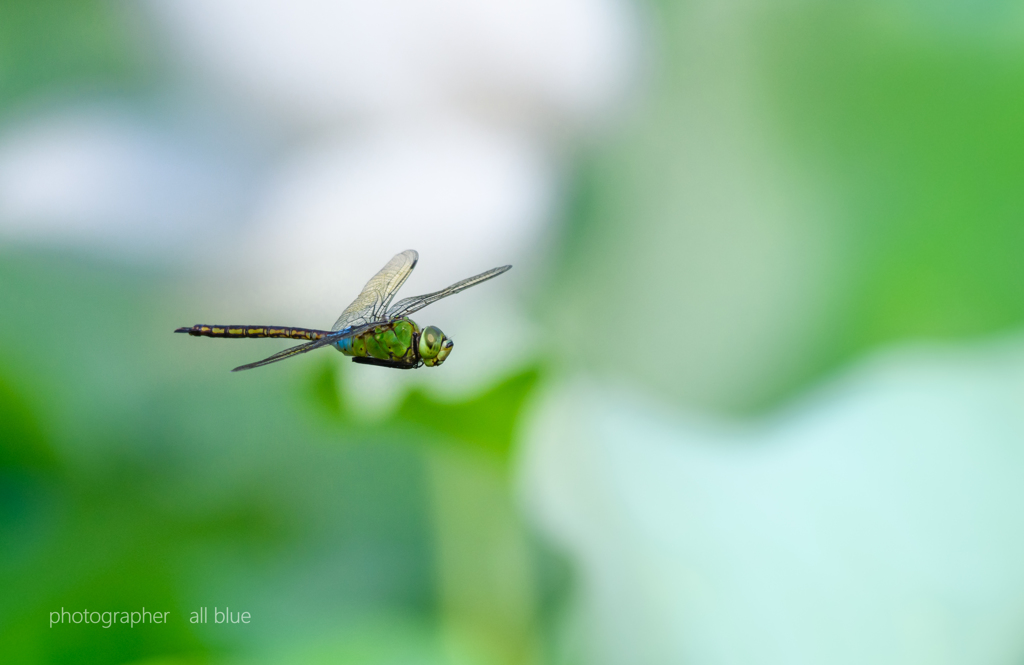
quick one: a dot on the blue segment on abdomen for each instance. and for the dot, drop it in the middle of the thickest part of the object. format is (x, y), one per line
(344, 345)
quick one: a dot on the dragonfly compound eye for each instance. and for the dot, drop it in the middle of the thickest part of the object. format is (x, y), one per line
(445, 350)
(431, 340)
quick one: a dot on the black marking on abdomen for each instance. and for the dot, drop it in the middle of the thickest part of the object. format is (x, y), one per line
(234, 332)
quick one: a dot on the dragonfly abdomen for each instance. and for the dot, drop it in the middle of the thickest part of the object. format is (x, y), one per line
(202, 330)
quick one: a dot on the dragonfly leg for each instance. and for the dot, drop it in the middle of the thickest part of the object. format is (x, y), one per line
(395, 364)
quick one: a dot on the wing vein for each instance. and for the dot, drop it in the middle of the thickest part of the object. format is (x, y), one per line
(371, 305)
(407, 306)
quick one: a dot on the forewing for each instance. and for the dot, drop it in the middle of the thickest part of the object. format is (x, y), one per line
(371, 305)
(407, 306)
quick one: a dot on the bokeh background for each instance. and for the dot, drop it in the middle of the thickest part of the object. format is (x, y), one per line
(752, 393)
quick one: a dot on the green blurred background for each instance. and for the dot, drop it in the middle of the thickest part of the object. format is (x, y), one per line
(789, 186)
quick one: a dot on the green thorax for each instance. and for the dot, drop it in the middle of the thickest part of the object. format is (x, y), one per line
(388, 341)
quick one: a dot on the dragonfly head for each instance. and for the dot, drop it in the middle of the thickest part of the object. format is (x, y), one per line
(434, 346)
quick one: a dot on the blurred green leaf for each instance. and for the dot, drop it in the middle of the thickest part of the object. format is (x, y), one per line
(324, 393)
(23, 444)
(486, 422)
(916, 123)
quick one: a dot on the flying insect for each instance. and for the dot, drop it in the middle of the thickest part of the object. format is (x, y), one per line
(371, 330)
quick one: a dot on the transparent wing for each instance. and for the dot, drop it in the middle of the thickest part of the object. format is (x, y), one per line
(371, 304)
(287, 353)
(298, 349)
(407, 306)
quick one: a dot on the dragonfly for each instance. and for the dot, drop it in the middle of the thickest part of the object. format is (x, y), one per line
(371, 330)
